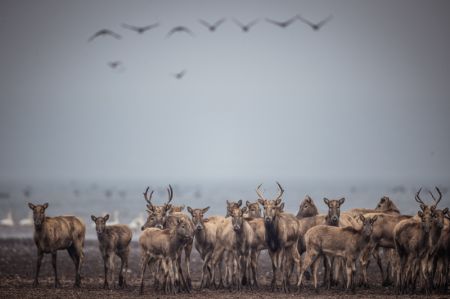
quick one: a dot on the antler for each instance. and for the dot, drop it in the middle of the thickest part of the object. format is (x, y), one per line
(436, 201)
(170, 192)
(258, 191)
(418, 197)
(148, 199)
(281, 191)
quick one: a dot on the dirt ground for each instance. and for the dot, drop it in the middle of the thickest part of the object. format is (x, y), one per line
(17, 266)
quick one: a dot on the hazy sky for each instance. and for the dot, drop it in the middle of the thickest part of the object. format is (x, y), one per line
(367, 97)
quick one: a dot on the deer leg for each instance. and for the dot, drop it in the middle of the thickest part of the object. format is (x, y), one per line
(144, 261)
(76, 255)
(57, 284)
(274, 270)
(40, 255)
(187, 262)
(315, 270)
(310, 257)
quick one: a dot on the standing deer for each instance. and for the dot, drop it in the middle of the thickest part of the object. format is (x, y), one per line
(253, 210)
(344, 242)
(57, 233)
(205, 230)
(163, 245)
(282, 235)
(385, 205)
(113, 240)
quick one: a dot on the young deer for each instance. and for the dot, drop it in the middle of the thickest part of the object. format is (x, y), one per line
(113, 240)
(57, 233)
(344, 242)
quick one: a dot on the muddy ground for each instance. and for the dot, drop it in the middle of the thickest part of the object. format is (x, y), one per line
(17, 266)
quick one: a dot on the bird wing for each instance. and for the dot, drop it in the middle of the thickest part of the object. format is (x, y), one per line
(179, 29)
(95, 35)
(290, 21)
(238, 23)
(219, 22)
(204, 23)
(131, 27)
(112, 33)
(307, 22)
(145, 28)
(252, 23)
(326, 20)
(274, 22)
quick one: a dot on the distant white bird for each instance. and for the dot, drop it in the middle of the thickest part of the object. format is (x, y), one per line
(137, 222)
(115, 219)
(8, 221)
(27, 221)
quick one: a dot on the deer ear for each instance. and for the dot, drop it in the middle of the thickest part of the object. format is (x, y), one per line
(106, 217)
(308, 199)
(190, 210)
(326, 201)
(244, 210)
(247, 203)
(341, 201)
(260, 201)
(374, 218)
(445, 211)
(361, 217)
(278, 201)
(182, 207)
(93, 218)
(422, 206)
(206, 220)
(239, 202)
(228, 203)
(45, 205)
(383, 199)
(205, 210)
(168, 207)
(31, 206)
(420, 213)
(281, 207)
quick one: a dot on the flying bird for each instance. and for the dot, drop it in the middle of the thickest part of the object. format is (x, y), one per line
(180, 29)
(104, 32)
(282, 24)
(246, 28)
(115, 64)
(315, 26)
(212, 27)
(138, 29)
(179, 75)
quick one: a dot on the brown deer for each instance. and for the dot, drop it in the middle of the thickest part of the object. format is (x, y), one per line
(231, 205)
(176, 209)
(344, 242)
(307, 208)
(441, 261)
(157, 214)
(412, 243)
(205, 230)
(385, 205)
(253, 210)
(57, 233)
(163, 245)
(282, 235)
(113, 240)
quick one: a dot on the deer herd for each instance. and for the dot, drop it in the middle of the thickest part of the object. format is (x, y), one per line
(411, 251)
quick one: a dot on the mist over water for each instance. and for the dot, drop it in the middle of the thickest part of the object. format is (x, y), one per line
(84, 199)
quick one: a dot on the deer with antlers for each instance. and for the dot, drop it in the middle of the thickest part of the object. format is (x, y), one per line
(282, 235)
(414, 239)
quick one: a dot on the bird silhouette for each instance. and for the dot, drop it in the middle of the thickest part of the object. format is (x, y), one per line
(104, 32)
(115, 64)
(138, 29)
(212, 27)
(180, 75)
(315, 26)
(246, 27)
(179, 29)
(282, 24)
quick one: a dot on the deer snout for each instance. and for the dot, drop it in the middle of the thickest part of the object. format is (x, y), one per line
(267, 219)
(159, 226)
(335, 219)
(199, 227)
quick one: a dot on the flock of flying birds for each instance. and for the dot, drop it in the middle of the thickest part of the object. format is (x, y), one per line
(212, 27)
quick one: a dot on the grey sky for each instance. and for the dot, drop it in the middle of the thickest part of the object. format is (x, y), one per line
(367, 97)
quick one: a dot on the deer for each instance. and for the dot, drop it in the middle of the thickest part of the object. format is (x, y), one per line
(163, 245)
(231, 205)
(414, 238)
(176, 209)
(57, 233)
(157, 217)
(345, 242)
(253, 210)
(385, 205)
(205, 230)
(282, 236)
(113, 240)
(307, 208)
(441, 261)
